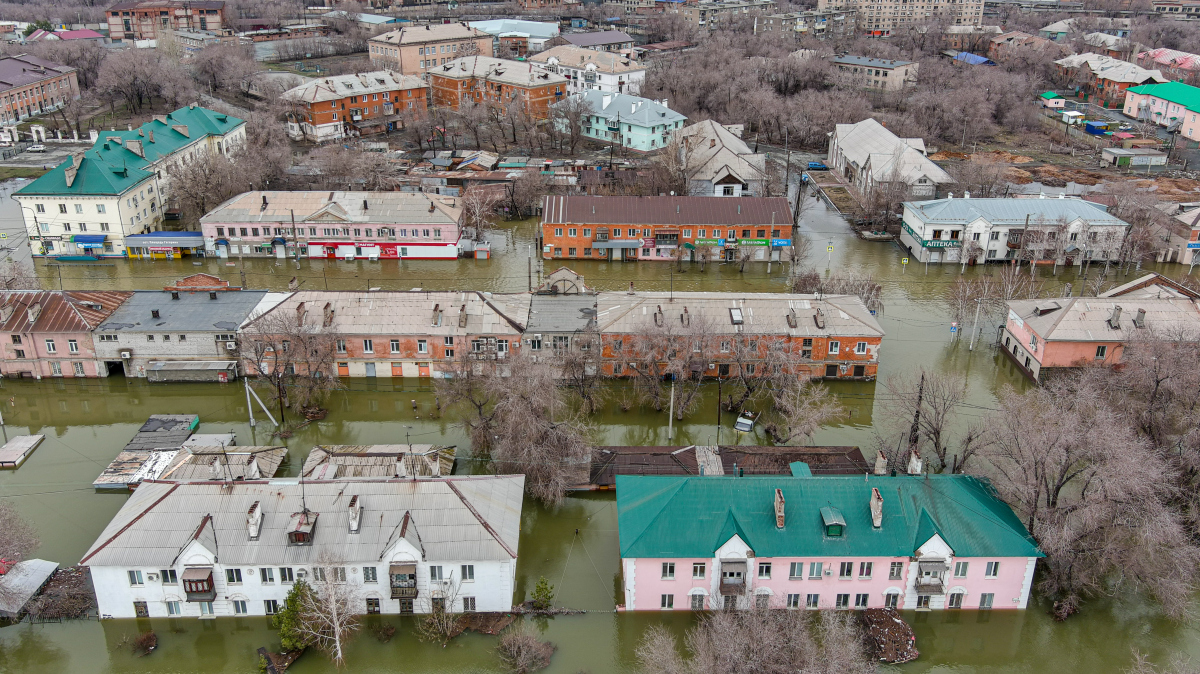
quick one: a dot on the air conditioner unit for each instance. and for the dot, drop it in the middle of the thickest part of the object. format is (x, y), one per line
(301, 573)
(712, 366)
(152, 577)
(231, 346)
(125, 355)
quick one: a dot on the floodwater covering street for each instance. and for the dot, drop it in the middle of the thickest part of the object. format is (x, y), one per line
(86, 422)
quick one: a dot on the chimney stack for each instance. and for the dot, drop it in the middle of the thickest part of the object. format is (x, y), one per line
(779, 508)
(214, 469)
(1114, 321)
(914, 464)
(254, 520)
(880, 463)
(355, 514)
(876, 508)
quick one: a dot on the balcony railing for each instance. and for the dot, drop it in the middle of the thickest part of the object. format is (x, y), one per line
(404, 592)
(733, 586)
(930, 585)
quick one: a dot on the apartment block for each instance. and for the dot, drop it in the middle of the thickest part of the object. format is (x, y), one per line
(880, 18)
(416, 50)
(354, 105)
(32, 86)
(873, 73)
(143, 19)
(496, 82)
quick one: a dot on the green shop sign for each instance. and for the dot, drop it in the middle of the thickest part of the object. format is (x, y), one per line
(754, 242)
(710, 242)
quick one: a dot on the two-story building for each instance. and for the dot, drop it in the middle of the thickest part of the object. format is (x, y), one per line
(637, 123)
(588, 69)
(1174, 105)
(338, 106)
(1105, 79)
(1175, 65)
(871, 157)
(719, 163)
(496, 82)
(31, 86)
(1061, 230)
(874, 73)
(236, 548)
(341, 225)
(49, 333)
(410, 334)
(924, 542)
(601, 40)
(520, 37)
(416, 50)
(91, 201)
(143, 19)
(176, 335)
(665, 228)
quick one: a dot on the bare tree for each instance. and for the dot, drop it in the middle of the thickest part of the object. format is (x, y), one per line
(569, 117)
(927, 402)
(329, 615)
(579, 368)
(801, 406)
(468, 384)
(521, 651)
(865, 288)
(19, 538)
(294, 354)
(478, 208)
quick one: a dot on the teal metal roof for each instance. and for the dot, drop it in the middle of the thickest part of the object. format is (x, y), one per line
(1175, 92)
(111, 167)
(691, 516)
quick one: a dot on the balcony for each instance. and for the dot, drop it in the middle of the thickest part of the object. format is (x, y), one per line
(1014, 245)
(198, 584)
(930, 585)
(404, 592)
(733, 586)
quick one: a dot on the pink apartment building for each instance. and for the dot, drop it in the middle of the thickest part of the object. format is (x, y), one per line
(828, 542)
(49, 334)
(1167, 104)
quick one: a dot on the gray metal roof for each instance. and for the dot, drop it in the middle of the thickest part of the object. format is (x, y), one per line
(597, 38)
(228, 463)
(869, 62)
(358, 461)
(1012, 211)
(160, 519)
(629, 109)
(561, 313)
(1086, 319)
(192, 312)
(164, 431)
(21, 583)
(411, 312)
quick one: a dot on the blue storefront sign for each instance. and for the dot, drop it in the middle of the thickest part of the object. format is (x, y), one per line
(780, 243)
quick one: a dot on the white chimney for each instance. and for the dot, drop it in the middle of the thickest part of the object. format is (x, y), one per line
(355, 514)
(779, 503)
(876, 508)
(914, 464)
(254, 518)
(214, 469)
(966, 195)
(605, 100)
(880, 463)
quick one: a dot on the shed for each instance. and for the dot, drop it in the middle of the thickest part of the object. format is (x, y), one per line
(1073, 117)
(21, 583)
(1119, 156)
(1052, 100)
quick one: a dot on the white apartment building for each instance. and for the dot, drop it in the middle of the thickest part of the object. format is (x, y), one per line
(882, 17)
(88, 204)
(588, 69)
(208, 549)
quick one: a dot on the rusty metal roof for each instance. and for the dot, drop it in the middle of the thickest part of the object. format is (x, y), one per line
(56, 311)
(720, 211)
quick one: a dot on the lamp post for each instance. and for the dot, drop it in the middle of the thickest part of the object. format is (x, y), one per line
(37, 228)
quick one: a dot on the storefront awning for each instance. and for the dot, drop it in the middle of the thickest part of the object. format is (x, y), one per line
(222, 242)
(618, 243)
(279, 240)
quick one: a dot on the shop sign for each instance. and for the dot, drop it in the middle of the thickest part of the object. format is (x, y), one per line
(754, 242)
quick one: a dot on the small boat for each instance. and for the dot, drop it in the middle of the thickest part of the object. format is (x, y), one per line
(76, 258)
(745, 422)
(876, 236)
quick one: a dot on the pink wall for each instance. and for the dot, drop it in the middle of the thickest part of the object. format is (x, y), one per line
(37, 356)
(1191, 119)
(1022, 332)
(649, 586)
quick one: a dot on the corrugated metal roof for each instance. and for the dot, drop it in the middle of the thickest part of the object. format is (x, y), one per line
(357, 461)
(1086, 319)
(192, 312)
(869, 62)
(160, 519)
(672, 516)
(597, 38)
(232, 463)
(50, 311)
(336, 208)
(337, 87)
(497, 70)
(411, 313)
(561, 313)
(667, 210)
(628, 109)
(1012, 211)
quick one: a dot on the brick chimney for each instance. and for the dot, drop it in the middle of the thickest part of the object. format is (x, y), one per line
(779, 508)
(880, 463)
(254, 520)
(876, 508)
(355, 514)
(914, 464)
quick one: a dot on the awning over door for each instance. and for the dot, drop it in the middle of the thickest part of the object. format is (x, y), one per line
(89, 240)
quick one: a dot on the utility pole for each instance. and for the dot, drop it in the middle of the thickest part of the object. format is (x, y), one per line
(671, 418)
(529, 267)
(295, 238)
(974, 324)
(914, 432)
(249, 405)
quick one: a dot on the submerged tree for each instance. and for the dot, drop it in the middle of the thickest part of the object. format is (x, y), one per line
(801, 405)
(329, 614)
(921, 409)
(521, 651)
(293, 351)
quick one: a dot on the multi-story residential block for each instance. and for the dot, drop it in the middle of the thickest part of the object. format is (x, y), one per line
(415, 50)
(601, 40)
(872, 157)
(665, 228)
(827, 542)
(176, 335)
(1015, 43)
(410, 334)
(342, 225)
(143, 19)
(970, 38)
(521, 37)
(1042, 336)
(588, 69)
(1067, 231)
(881, 18)
(709, 16)
(1177, 9)
(49, 334)
(93, 200)
(808, 23)
(32, 86)
(235, 548)
(637, 123)
(1174, 105)
(496, 82)
(719, 163)
(354, 105)
(1177, 66)
(1104, 78)
(1060, 30)
(749, 334)
(873, 73)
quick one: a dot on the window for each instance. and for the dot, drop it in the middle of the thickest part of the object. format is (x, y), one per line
(975, 236)
(994, 236)
(100, 210)
(467, 573)
(341, 346)
(891, 600)
(233, 576)
(166, 338)
(285, 574)
(173, 608)
(56, 368)
(368, 346)
(668, 601)
(168, 577)
(955, 600)
(135, 578)
(50, 348)
(896, 570)
(764, 569)
(422, 346)
(992, 570)
(762, 601)
(668, 570)
(793, 601)
(922, 601)
(435, 573)
(239, 607)
(372, 605)
(697, 602)
(572, 232)
(846, 570)
(860, 600)
(796, 571)
(814, 569)
(20, 353)
(811, 600)
(468, 604)
(985, 599)
(865, 568)
(960, 569)
(266, 575)
(558, 231)
(1101, 351)
(41, 208)
(370, 574)
(860, 348)
(834, 347)
(73, 346)
(62, 208)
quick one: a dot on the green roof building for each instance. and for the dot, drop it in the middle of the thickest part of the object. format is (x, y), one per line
(1174, 105)
(88, 204)
(909, 541)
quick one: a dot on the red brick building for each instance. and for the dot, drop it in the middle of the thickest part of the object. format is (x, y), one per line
(354, 105)
(142, 19)
(32, 86)
(665, 228)
(496, 82)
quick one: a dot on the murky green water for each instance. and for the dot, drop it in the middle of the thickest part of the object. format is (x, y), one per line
(87, 422)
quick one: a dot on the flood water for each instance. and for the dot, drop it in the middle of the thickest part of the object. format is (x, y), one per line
(86, 423)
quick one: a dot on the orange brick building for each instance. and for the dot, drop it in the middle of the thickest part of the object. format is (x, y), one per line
(335, 107)
(143, 19)
(663, 228)
(496, 82)
(417, 50)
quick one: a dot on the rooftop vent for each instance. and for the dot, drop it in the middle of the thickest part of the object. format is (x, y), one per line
(779, 503)
(1043, 309)
(254, 520)
(876, 508)
(1114, 321)
(301, 526)
(819, 319)
(792, 321)
(212, 294)
(735, 316)
(1140, 320)
(154, 313)
(264, 203)
(328, 315)
(355, 514)
(880, 463)
(914, 464)
(174, 294)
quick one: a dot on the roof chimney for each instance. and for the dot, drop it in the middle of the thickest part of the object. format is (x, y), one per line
(154, 313)
(212, 294)
(264, 203)
(876, 508)
(254, 520)
(914, 464)
(1140, 321)
(880, 463)
(214, 469)
(328, 310)
(779, 508)
(1114, 321)
(174, 294)
(35, 311)
(364, 204)
(355, 514)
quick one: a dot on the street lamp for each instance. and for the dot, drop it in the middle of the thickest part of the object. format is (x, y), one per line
(37, 227)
